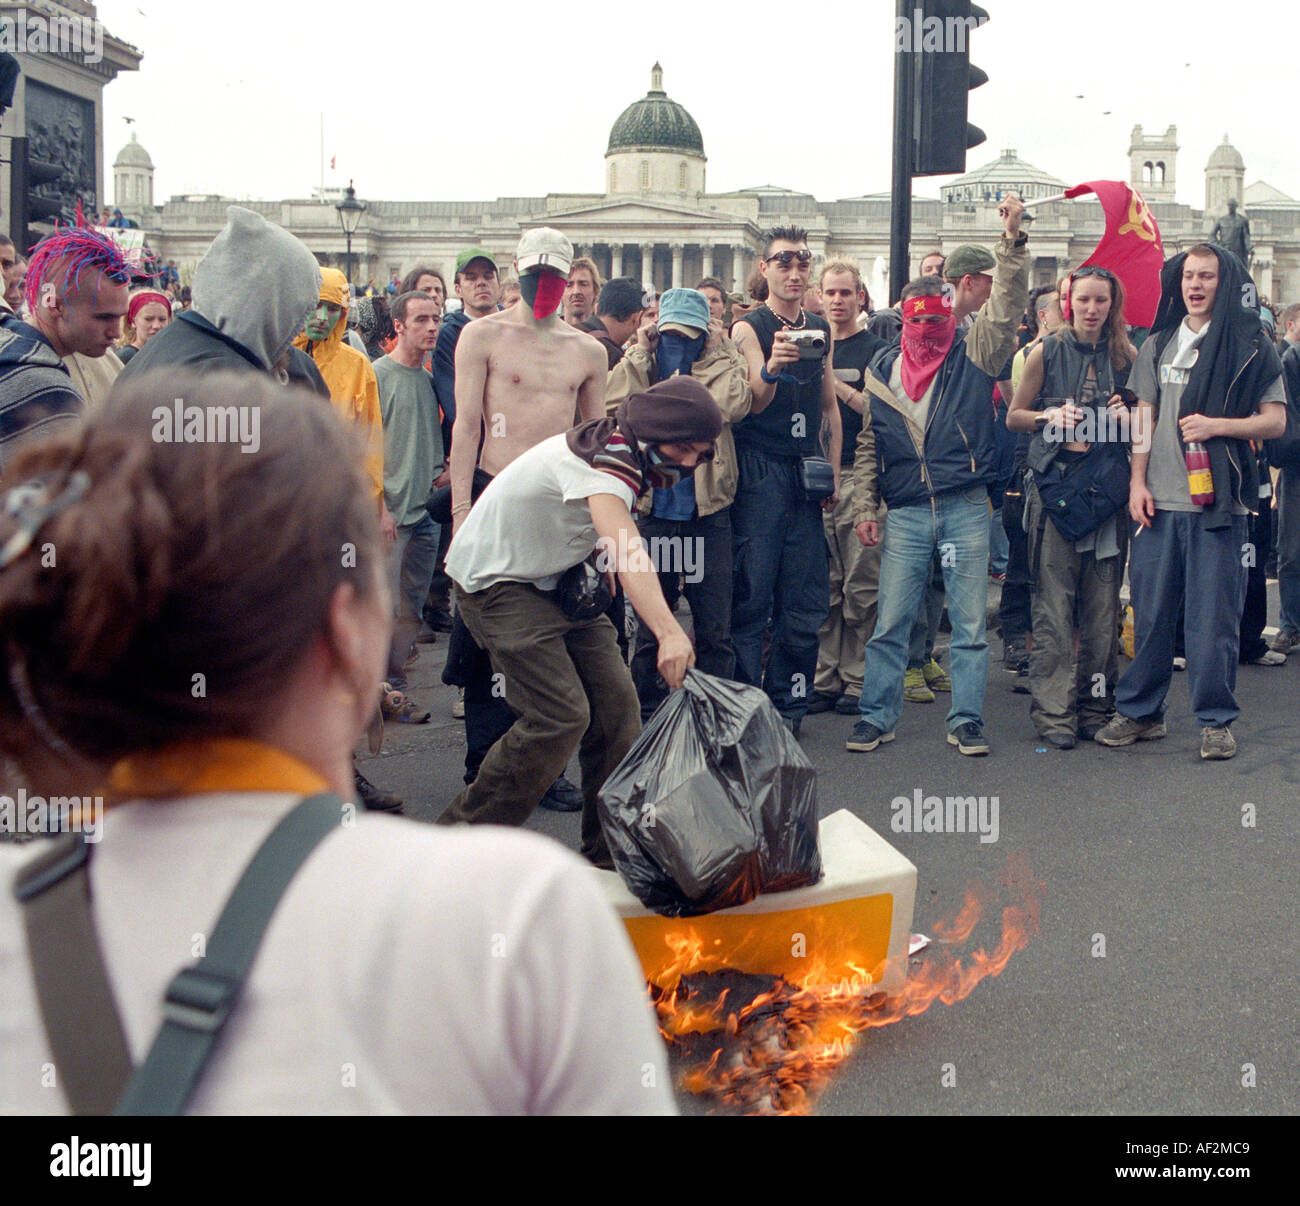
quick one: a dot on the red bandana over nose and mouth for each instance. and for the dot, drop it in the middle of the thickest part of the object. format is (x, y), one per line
(924, 344)
(550, 292)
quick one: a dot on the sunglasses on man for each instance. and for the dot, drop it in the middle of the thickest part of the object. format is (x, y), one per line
(786, 258)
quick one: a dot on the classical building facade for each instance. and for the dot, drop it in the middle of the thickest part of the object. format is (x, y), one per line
(657, 222)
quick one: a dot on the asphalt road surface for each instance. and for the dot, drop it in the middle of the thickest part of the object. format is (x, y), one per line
(1192, 1007)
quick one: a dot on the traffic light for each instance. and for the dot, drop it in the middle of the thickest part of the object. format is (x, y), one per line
(944, 79)
(27, 203)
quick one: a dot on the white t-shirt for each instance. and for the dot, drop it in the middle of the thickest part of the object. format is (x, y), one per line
(407, 970)
(532, 522)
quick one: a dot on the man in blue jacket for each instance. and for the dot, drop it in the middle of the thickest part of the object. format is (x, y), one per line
(930, 454)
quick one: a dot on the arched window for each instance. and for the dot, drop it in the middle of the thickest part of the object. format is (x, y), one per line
(1160, 167)
(1148, 172)
(645, 175)
(681, 176)
(613, 177)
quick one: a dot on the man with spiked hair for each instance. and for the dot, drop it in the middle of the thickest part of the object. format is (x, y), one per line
(77, 291)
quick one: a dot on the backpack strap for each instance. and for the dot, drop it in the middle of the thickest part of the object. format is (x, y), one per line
(92, 1061)
(199, 1000)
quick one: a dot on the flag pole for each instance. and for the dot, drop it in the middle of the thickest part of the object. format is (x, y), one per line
(1045, 200)
(322, 155)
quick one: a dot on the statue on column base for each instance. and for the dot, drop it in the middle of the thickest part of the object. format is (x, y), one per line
(1232, 232)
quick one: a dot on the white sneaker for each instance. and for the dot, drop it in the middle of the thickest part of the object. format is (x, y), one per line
(458, 708)
(1270, 658)
(1180, 663)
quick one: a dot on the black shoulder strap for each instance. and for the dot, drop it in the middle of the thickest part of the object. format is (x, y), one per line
(91, 1058)
(200, 998)
(76, 998)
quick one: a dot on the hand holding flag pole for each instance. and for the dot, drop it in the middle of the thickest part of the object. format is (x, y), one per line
(1131, 247)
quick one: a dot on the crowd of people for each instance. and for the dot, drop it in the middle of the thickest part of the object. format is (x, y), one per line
(538, 474)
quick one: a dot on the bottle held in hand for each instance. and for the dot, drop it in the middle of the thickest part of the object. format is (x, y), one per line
(1199, 480)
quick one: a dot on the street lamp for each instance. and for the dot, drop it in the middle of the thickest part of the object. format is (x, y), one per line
(350, 211)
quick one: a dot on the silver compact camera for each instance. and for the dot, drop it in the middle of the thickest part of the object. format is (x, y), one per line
(811, 344)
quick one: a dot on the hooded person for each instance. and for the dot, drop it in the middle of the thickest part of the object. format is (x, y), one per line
(250, 293)
(1235, 364)
(695, 515)
(1208, 382)
(347, 372)
(541, 516)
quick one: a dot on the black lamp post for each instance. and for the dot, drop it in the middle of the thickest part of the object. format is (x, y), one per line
(350, 211)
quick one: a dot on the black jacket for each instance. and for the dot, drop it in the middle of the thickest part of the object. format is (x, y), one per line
(1236, 365)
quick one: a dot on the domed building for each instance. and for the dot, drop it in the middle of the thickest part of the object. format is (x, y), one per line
(655, 147)
(1006, 174)
(1225, 178)
(655, 221)
(133, 180)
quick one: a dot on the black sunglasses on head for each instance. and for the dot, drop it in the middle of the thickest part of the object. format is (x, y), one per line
(786, 258)
(1093, 270)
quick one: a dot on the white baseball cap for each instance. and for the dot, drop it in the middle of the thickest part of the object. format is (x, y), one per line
(544, 247)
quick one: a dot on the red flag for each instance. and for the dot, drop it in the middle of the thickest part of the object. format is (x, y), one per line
(332, 158)
(1131, 247)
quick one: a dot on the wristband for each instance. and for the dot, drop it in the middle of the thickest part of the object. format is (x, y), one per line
(768, 376)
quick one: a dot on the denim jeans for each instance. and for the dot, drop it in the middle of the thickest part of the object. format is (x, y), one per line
(957, 525)
(999, 544)
(782, 575)
(707, 572)
(410, 569)
(1288, 549)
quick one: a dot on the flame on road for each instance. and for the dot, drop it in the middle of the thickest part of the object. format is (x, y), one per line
(763, 1044)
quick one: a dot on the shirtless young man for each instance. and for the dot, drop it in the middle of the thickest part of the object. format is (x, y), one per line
(522, 373)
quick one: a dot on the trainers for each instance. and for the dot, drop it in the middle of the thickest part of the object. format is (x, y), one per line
(915, 689)
(1271, 658)
(821, 701)
(1124, 730)
(866, 737)
(847, 704)
(458, 708)
(1180, 663)
(935, 678)
(1286, 641)
(1217, 743)
(969, 739)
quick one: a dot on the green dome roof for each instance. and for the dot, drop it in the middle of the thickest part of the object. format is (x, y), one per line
(655, 123)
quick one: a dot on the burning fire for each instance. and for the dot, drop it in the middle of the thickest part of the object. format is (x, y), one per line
(766, 1044)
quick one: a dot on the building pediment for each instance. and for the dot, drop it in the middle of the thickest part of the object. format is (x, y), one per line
(637, 213)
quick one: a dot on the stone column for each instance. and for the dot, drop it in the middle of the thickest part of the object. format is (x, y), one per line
(740, 267)
(648, 265)
(615, 260)
(706, 260)
(677, 250)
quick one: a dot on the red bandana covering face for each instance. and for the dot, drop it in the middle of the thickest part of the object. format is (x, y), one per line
(924, 344)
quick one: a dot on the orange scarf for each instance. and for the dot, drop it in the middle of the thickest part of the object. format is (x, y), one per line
(219, 764)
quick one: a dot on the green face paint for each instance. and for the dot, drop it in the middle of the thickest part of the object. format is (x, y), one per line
(320, 322)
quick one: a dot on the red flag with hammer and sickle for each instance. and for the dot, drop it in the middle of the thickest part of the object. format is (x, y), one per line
(1130, 248)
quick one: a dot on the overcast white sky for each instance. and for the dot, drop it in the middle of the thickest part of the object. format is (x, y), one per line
(457, 100)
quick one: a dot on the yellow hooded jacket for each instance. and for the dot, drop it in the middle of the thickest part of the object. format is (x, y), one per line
(351, 381)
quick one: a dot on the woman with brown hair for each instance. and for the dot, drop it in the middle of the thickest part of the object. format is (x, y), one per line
(192, 627)
(1069, 397)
